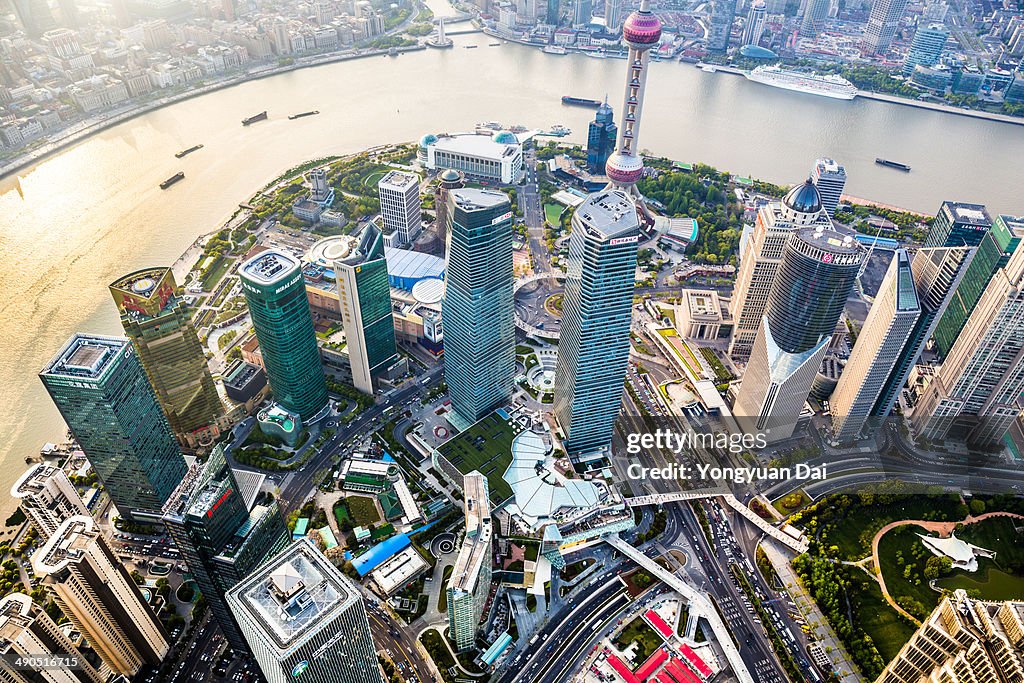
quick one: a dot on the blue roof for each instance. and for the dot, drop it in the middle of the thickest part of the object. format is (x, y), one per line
(496, 648)
(406, 267)
(757, 52)
(380, 553)
(301, 525)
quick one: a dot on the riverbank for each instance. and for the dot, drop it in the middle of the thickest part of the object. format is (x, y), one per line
(903, 101)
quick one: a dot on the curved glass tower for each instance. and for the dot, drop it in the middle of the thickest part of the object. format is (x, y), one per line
(276, 294)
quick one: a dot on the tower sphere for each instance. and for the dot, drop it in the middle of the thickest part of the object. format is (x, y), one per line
(641, 29)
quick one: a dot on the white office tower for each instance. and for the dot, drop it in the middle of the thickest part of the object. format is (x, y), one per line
(399, 207)
(753, 31)
(47, 498)
(305, 621)
(320, 189)
(759, 262)
(27, 631)
(95, 592)
(975, 393)
(471, 579)
(882, 24)
(816, 275)
(881, 342)
(830, 179)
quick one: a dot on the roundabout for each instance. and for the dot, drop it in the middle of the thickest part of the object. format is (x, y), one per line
(443, 544)
(538, 304)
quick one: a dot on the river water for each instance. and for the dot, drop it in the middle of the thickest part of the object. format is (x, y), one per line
(76, 221)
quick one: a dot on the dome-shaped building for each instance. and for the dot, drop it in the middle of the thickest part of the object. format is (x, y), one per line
(425, 141)
(506, 137)
(802, 204)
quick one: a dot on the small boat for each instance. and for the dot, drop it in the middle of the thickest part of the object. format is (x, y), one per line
(580, 101)
(393, 52)
(188, 151)
(173, 179)
(493, 44)
(292, 117)
(472, 47)
(892, 164)
(708, 68)
(254, 118)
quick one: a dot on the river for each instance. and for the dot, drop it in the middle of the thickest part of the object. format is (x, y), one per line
(76, 221)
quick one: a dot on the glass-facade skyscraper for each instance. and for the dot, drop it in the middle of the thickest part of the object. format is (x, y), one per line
(478, 308)
(593, 348)
(159, 323)
(601, 135)
(958, 225)
(102, 392)
(223, 533)
(365, 298)
(276, 293)
(926, 48)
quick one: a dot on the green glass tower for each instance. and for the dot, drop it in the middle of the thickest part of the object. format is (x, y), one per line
(159, 323)
(276, 294)
(593, 348)
(479, 329)
(223, 533)
(993, 253)
(958, 224)
(101, 390)
(365, 298)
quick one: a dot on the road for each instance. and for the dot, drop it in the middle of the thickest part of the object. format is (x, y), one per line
(392, 638)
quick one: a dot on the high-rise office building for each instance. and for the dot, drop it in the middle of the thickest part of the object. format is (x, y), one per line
(400, 210)
(470, 582)
(95, 592)
(640, 32)
(101, 390)
(582, 12)
(365, 299)
(885, 334)
(159, 323)
(760, 258)
(276, 294)
(479, 329)
(720, 24)
(813, 21)
(958, 224)
(993, 253)
(937, 272)
(926, 48)
(47, 497)
(27, 631)
(224, 532)
(975, 393)
(612, 14)
(593, 348)
(815, 277)
(447, 180)
(553, 14)
(305, 620)
(963, 641)
(830, 179)
(601, 134)
(34, 15)
(753, 30)
(883, 21)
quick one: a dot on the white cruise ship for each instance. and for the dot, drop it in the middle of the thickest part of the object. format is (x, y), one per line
(829, 85)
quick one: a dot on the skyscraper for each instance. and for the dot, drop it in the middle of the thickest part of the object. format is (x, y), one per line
(753, 30)
(102, 392)
(95, 592)
(720, 24)
(223, 534)
(582, 12)
(553, 12)
(830, 179)
(447, 180)
(593, 348)
(400, 206)
(47, 497)
(815, 276)
(612, 14)
(963, 640)
(34, 15)
(882, 24)
(975, 392)
(993, 253)
(937, 272)
(27, 631)
(305, 620)
(813, 21)
(601, 138)
(276, 294)
(364, 295)
(159, 323)
(470, 582)
(760, 258)
(883, 338)
(641, 31)
(958, 224)
(926, 48)
(479, 329)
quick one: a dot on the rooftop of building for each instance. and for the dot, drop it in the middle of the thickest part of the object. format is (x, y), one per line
(971, 214)
(485, 447)
(85, 356)
(607, 214)
(476, 546)
(400, 180)
(472, 144)
(67, 545)
(34, 480)
(826, 165)
(293, 594)
(829, 240)
(702, 303)
(472, 199)
(240, 373)
(269, 267)
(416, 265)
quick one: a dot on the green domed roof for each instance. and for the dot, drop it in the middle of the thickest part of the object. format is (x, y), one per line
(506, 138)
(428, 140)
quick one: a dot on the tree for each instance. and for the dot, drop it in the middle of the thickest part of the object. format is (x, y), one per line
(977, 506)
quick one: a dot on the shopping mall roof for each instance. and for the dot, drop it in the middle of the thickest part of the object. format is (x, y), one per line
(406, 267)
(540, 491)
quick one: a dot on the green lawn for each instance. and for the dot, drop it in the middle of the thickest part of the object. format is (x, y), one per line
(903, 542)
(487, 448)
(887, 628)
(342, 515)
(442, 597)
(215, 272)
(991, 583)
(639, 630)
(791, 503)
(552, 213)
(363, 511)
(372, 179)
(998, 534)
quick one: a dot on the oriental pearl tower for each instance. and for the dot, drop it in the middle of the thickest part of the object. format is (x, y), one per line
(641, 31)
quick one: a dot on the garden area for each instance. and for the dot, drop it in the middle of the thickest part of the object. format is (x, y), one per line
(640, 632)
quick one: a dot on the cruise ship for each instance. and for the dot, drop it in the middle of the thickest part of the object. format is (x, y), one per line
(829, 85)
